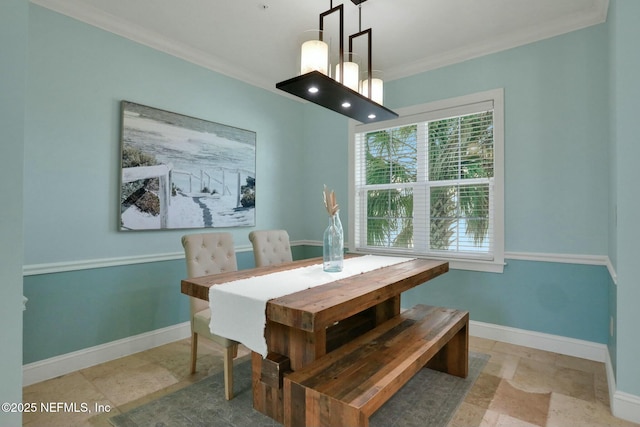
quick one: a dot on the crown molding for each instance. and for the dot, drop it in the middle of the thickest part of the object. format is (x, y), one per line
(83, 12)
(90, 15)
(500, 43)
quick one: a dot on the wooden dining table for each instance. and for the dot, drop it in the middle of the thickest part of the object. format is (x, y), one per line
(305, 325)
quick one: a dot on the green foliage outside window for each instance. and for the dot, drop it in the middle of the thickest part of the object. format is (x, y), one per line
(459, 165)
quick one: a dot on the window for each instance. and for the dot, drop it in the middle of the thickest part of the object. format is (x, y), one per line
(430, 183)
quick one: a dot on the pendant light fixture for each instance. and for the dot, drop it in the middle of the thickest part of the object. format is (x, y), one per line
(346, 93)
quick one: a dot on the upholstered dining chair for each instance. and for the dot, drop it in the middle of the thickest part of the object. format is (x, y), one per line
(270, 247)
(210, 253)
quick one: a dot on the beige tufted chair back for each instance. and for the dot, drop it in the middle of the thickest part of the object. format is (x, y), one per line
(270, 247)
(208, 253)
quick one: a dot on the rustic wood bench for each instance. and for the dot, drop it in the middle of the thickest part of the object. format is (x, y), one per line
(346, 386)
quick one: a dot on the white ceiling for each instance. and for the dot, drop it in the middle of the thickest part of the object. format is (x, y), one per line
(257, 41)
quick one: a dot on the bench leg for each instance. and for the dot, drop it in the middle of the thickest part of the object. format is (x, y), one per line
(307, 407)
(453, 358)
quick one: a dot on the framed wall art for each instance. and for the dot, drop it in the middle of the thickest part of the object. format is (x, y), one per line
(183, 172)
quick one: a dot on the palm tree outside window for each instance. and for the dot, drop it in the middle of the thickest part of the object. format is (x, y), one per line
(430, 184)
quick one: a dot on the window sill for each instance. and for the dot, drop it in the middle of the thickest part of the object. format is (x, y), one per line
(454, 264)
(483, 266)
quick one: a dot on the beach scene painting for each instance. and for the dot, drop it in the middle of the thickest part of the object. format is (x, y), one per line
(182, 172)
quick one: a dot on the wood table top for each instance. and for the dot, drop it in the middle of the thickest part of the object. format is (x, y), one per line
(318, 307)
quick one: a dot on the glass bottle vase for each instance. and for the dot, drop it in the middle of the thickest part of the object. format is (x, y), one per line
(333, 248)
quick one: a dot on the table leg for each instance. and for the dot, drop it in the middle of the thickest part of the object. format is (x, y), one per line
(387, 309)
(266, 399)
(302, 348)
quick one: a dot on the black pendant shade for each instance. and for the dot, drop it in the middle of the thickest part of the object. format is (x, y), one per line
(317, 87)
(325, 91)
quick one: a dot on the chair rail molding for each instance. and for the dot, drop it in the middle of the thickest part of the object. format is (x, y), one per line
(58, 267)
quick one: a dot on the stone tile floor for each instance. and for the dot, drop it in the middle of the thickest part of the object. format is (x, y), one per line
(519, 386)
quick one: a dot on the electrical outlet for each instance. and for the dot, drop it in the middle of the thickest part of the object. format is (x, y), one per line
(611, 325)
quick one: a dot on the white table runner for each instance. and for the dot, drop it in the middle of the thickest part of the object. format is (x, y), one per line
(238, 308)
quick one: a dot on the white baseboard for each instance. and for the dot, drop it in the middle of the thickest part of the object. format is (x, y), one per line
(626, 406)
(70, 362)
(50, 368)
(623, 405)
(554, 343)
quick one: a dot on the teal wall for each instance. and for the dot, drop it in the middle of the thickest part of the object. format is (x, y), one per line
(556, 131)
(613, 182)
(558, 176)
(13, 45)
(556, 128)
(325, 162)
(78, 75)
(556, 181)
(555, 298)
(113, 303)
(78, 309)
(13, 48)
(625, 91)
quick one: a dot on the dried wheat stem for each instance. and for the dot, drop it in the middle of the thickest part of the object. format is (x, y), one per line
(330, 203)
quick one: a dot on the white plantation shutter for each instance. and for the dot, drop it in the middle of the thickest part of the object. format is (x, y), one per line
(430, 183)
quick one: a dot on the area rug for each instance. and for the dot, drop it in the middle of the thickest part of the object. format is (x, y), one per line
(430, 398)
